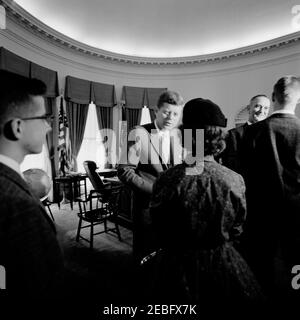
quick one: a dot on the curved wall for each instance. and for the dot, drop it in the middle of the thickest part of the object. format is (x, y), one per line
(229, 82)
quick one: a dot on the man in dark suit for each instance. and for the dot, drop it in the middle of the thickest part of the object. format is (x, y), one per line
(149, 153)
(258, 109)
(29, 250)
(271, 165)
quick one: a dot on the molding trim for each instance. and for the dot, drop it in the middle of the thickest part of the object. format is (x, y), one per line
(23, 18)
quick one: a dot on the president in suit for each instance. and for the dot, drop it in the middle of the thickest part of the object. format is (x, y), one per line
(29, 250)
(271, 164)
(152, 148)
(258, 109)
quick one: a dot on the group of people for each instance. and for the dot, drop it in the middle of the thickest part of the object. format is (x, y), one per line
(225, 225)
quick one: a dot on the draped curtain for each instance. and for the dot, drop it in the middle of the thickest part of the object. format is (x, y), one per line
(52, 137)
(152, 95)
(78, 97)
(134, 98)
(49, 77)
(104, 97)
(14, 63)
(77, 115)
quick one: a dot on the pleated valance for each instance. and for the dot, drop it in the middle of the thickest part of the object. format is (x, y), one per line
(152, 95)
(14, 63)
(137, 97)
(78, 90)
(48, 76)
(134, 97)
(103, 94)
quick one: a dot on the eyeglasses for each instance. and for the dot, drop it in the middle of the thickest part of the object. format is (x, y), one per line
(47, 117)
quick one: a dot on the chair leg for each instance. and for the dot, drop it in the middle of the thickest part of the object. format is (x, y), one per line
(105, 225)
(92, 236)
(78, 229)
(118, 230)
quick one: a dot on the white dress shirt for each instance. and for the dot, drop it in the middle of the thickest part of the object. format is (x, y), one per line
(164, 143)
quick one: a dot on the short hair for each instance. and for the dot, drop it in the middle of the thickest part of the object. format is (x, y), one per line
(16, 92)
(170, 97)
(285, 87)
(257, 96)
(214, 139)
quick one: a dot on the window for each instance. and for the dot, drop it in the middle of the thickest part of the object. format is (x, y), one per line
(92, 147)
(145, 118)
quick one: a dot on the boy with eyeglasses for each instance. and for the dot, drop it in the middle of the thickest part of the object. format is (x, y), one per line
(29, 250)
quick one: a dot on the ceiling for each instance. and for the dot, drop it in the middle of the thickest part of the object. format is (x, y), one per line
(167, 28)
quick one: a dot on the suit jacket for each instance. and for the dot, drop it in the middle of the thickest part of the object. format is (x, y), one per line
(140, 166)
(29, 250)
(144, 163)
(231, 157)
(271, 162)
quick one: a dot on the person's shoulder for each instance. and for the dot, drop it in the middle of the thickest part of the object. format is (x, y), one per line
(226, 174)
(287, 118)
(237, 131)
(13, 192)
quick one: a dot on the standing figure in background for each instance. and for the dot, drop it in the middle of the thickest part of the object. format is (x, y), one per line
(271, 165)
(149, 153)
(258, 109)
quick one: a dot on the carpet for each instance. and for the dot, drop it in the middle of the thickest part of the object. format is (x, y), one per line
(107, 273)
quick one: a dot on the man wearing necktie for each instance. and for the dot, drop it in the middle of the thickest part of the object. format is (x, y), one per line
(258, 108)
(152, 149)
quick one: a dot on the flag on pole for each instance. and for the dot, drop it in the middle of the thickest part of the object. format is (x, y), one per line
(64, 146)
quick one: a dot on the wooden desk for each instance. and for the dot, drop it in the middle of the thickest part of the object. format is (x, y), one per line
(73, 183)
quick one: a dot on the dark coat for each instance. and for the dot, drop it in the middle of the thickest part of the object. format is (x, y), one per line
(29, 250)
(198, 218)
(231, 157)
(271, 164)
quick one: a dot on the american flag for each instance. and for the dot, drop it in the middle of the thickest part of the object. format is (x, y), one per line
(64, 146)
